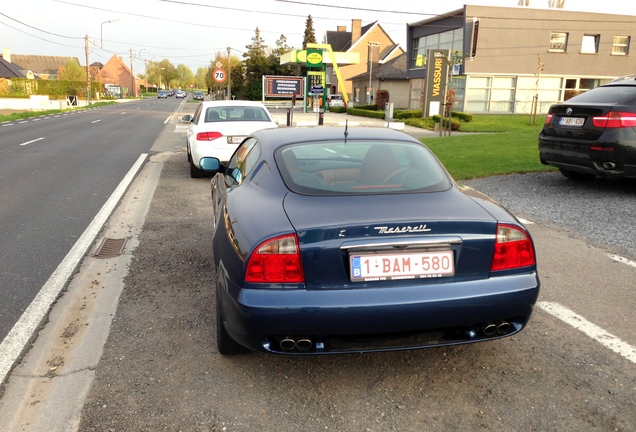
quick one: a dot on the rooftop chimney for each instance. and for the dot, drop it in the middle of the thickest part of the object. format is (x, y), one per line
(356, 30)
(6, 55)
(342, 28)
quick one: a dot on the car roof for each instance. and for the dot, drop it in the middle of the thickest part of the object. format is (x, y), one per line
(271, 139)
(216, 103)
(625, 79)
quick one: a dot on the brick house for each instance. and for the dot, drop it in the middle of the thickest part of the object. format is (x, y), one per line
(372, 43)
(116, 73)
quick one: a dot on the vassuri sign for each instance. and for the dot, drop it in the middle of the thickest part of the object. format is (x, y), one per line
(282, 86)
(436, 78)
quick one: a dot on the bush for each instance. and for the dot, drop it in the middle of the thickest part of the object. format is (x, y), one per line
(358, 111)
(338, 109)
(407, 114)
(381, 99)
(422, 123)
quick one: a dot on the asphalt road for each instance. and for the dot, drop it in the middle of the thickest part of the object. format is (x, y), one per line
(56, 172)
(159, 369)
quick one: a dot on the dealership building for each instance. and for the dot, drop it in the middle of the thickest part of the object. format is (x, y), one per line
(503, 58)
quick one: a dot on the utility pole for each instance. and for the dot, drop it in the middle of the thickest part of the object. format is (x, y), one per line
(88, 74)
(229, 74)
(132, 75)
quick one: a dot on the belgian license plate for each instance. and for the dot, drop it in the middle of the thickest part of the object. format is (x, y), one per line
(572, 121)
(416, 265)
(235, 139)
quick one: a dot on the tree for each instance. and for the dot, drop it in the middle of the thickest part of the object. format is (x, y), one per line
(310, 35)
(71, 71)
(274, 59)
(256, 65)
(185, 76)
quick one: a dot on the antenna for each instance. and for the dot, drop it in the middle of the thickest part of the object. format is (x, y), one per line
(346, 133)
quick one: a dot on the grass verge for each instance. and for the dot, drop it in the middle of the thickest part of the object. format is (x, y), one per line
(490, 145)
(29, 114)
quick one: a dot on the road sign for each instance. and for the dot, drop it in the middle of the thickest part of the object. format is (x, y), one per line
(218, 75)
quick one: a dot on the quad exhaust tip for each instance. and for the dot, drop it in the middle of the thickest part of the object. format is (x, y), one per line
(499, 328)
(301, 343)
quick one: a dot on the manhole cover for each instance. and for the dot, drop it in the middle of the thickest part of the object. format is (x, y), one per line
(110, 248)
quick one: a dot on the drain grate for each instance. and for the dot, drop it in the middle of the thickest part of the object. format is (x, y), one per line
(110, 248)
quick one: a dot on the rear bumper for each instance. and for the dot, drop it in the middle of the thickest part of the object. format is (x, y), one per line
(217, 148)
(338, 321)
(603, 158)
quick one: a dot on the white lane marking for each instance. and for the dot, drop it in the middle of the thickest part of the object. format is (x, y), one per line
(525, 222)
(168, 119)
(623, 260)
(95, 121)
(590, 329)
(23, 330)
(32, 141)
(23, 121)
(36, 119)
(7, 124)
(122, 113)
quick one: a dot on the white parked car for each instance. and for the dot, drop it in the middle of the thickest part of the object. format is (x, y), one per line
(335, 100)
(218, 127)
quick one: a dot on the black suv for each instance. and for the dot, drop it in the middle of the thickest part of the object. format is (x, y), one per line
(594, 133)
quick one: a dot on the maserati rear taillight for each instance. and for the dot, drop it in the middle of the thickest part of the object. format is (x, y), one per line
(513, 249)
(276, 261)
(208, 136)
(615, 119)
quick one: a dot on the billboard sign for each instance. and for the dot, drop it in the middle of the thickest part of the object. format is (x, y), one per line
(282, 86)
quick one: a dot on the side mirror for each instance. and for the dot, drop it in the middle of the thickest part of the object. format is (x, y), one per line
(211, 164)
(186, 118)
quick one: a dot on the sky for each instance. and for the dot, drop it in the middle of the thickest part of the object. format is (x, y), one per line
(192, 32)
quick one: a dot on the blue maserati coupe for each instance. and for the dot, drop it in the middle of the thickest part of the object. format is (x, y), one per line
(340, 240)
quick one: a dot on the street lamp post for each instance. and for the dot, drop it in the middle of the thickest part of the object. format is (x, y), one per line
(229, 74)
(101, 32)
(160, 69)
(371, 45)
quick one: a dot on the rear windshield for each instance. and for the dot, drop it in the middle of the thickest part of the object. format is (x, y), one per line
(607, 94)
(235, 113)
(358, 168)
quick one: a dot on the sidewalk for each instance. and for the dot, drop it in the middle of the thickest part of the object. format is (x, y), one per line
(300, 118)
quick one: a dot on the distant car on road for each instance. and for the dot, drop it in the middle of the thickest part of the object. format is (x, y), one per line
(335, 100)
(197, 95)
(218, 127)
(594, 133)
(181, 94)
(336, 240)
(162, 94)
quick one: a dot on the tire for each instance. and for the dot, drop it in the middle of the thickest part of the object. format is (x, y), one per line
(225, 345)
(573, 175)
(194, 171)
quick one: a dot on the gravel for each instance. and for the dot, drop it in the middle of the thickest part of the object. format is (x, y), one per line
(600, 211)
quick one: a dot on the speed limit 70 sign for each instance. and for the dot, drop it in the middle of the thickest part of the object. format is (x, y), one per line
(218, 75)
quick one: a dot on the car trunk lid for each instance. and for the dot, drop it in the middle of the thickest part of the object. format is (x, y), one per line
(334, 231)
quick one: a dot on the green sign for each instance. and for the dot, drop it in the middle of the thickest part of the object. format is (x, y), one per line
(314, 58)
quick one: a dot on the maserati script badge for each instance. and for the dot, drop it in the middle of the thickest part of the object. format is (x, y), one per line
(403, 229)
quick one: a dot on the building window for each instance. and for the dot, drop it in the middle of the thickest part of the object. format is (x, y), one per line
(590, 43)
(490, 94)
(452, 40)
(621, 45)
(558, 42)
